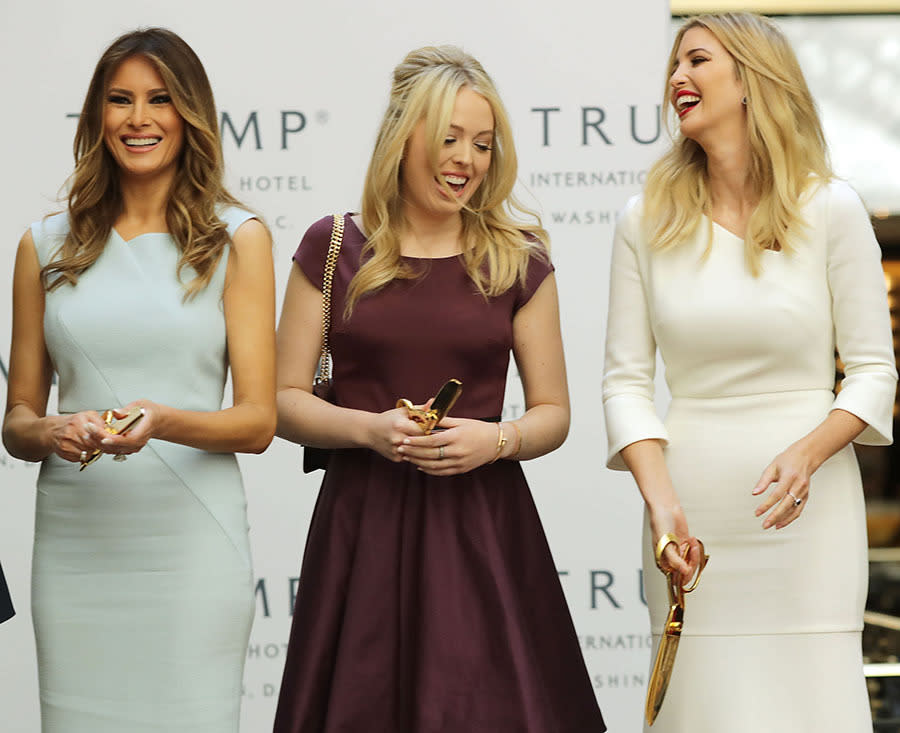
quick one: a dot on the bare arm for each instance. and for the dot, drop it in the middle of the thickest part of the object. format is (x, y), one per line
(28, 432)
(303, 417)
(538, 350)
(249, 303)
(647, 464)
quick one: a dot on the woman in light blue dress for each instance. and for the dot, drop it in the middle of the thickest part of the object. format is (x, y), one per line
(142, 294)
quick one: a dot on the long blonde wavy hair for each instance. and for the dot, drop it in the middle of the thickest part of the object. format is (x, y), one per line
(788, 153)
(95, 196)
(496, 244)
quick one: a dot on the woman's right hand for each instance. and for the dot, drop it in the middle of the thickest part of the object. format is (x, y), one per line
(388, 430)
(80, 432)
(671, 519)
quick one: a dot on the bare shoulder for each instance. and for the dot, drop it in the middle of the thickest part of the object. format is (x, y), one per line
(26, 243)
(251, 235)
(26, 253)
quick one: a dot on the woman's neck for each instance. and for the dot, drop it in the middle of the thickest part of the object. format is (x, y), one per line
(425, 236)
(732, 197)
(144, 203)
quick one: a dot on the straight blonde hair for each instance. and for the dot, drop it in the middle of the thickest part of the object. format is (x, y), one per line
(788, 154)
(95, 197)
(496, 244)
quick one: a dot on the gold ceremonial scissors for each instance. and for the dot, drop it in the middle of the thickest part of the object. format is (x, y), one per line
(440, 406)
(668, 645)
(115, 426)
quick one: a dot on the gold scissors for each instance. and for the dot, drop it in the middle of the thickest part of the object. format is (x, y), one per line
(114, 426)
(668, 645)
(440, 406)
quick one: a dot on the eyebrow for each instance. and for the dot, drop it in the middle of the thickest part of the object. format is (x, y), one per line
(119, 90)
(694, 50)
(483, 132)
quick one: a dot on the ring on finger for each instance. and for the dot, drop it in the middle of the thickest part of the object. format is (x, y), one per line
(797, 502)
(440, 453)
(83, 456)
(120, 457)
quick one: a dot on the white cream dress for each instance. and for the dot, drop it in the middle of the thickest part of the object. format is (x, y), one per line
(772, 635)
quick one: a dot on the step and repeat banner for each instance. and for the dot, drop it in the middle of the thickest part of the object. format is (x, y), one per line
(301, 88)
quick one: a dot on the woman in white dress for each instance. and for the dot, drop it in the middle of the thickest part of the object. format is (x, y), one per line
(142, 294)
(746, 263)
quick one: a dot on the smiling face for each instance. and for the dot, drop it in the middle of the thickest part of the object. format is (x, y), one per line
(705, 89)
(463, 159)
(141, 127)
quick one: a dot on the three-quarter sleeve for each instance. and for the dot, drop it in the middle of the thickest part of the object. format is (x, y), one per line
(862, 327)
(630, 365)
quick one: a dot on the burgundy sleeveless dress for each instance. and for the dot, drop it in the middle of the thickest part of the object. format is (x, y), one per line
(427, 604)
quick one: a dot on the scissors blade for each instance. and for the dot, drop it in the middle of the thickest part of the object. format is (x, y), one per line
(445, 399)
(662, 666)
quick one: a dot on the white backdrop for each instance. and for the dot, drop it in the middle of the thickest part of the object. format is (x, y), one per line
(303, 87)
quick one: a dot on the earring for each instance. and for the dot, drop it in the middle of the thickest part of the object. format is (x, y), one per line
(744, 101)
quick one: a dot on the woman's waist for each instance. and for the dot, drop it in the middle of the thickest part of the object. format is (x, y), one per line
(769, 400)
(784, 412)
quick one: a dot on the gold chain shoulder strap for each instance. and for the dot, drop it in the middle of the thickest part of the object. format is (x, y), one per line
(334, 249)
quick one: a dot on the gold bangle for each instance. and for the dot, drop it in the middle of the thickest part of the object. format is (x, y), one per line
(501, 441)
(515, 453)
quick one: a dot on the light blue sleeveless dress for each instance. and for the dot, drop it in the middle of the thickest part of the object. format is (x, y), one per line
(141, 585)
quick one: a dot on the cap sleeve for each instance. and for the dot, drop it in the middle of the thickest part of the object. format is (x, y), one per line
(539, 266)
(313, 249)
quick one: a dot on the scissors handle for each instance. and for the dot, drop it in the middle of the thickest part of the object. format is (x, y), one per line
(676, 588)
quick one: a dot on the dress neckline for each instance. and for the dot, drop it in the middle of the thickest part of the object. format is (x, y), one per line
(730, 233)
(139, 236)
(456, 256)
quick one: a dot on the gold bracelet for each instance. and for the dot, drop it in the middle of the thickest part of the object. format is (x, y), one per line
(515, 453)
(501, 441)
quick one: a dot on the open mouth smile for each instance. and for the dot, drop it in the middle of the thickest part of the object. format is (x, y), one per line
(686, 101)
(455, 181)
(140, 143)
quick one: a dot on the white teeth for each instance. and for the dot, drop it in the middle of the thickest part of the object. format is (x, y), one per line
(456, 180)
(142, 141)
(685, 99)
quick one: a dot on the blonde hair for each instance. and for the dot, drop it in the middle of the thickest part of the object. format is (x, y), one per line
(95, 197)
(787, 146)
(496, 246)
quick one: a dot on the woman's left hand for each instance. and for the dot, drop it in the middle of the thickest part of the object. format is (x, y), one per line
(790, 472)
(136, 438)
(463, 445)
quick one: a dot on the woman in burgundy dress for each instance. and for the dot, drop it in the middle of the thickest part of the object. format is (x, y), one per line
(429, 601)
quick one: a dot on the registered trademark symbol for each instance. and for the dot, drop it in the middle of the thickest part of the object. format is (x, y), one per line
(322, 116)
